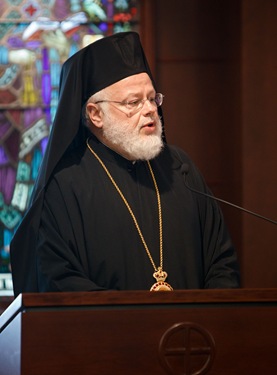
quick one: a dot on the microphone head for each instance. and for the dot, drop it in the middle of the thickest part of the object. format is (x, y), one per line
(184, 169)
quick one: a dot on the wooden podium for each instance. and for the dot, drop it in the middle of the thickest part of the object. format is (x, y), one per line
(217, 332)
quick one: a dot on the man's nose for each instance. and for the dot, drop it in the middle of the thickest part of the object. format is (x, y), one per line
(149, 106)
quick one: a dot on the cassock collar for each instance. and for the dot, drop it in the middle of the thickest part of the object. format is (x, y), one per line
(107, 154)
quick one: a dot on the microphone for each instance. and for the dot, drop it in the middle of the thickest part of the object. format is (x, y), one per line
(185, 171)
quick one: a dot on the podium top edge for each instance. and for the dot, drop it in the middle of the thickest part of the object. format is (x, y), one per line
(147, 297)
(104, 299)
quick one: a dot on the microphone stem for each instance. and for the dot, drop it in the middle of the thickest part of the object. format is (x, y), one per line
(231, 204)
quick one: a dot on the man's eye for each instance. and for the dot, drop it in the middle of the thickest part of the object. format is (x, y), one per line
(133, 103)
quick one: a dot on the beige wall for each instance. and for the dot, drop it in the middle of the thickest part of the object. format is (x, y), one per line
(216, 63)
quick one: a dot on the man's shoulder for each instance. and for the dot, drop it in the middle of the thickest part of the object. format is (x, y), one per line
(71, 158)
(176, 154)
(180, 159)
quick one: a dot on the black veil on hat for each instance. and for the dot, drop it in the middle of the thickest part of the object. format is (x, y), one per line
(90, 70)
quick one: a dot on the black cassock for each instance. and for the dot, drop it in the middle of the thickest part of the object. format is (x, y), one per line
(87, 239)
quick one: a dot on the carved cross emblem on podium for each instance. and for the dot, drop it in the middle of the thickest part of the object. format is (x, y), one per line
(186, 349)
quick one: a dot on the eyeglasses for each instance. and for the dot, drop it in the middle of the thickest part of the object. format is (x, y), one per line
(136, 105)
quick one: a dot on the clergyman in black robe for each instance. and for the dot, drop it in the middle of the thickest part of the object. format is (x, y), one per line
(79, 234)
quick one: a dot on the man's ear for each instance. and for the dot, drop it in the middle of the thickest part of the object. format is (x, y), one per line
(95, 114)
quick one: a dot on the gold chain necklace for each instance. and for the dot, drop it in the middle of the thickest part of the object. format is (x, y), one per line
(159, 274)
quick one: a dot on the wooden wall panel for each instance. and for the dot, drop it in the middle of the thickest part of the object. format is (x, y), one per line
(259, 152)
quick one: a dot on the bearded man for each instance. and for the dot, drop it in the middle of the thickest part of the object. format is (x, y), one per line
(110, 210)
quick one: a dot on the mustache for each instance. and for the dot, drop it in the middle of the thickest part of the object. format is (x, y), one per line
(152, 120)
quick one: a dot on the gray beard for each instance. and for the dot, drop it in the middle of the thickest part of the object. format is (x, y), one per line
(137, 146)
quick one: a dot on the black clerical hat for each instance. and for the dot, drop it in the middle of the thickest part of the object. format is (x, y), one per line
(107, 61)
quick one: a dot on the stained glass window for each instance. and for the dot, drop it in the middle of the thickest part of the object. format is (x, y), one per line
(36, 37)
